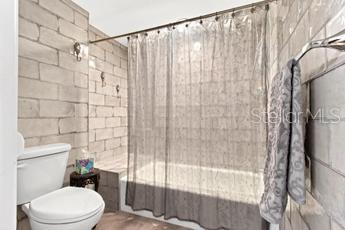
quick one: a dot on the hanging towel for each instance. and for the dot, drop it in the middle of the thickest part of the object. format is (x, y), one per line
(285, 163)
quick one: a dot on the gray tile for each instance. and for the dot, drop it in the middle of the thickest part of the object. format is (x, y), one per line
(314, 215)
(337, 146)
(327, 94)
(328, 188)
(318, 140)
(336, 226)
(297, 222)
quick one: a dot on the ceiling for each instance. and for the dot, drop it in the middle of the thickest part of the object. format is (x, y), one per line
(116, 17)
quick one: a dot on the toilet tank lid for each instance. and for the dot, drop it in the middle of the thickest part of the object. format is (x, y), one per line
(44, 150)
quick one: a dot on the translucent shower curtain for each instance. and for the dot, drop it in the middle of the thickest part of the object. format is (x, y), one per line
(196, 143)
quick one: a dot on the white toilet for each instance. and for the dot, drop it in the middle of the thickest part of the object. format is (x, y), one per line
(49, 206)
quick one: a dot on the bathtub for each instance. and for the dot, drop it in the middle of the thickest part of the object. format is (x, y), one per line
(175, 221)
(148, 214)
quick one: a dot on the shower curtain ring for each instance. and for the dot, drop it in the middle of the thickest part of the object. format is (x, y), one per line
(267, 7)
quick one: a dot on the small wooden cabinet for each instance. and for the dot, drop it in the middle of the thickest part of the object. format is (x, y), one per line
(88, 180)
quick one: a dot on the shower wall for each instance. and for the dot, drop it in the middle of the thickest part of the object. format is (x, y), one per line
(61, 99)
(108, 107)
(53, 86)
(293, 23)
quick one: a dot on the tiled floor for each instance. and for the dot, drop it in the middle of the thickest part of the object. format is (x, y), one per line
(126, 221)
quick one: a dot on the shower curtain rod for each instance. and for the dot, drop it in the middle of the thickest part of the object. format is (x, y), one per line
(186, 20)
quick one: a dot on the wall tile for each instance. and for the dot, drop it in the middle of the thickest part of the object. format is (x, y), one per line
(31, 141)
(76, 7)
(336, 226)
(319, 15)
(69, 125)
(95, 75)
(37, 51)
(56, 109)
(37, 127)
(73, 94)
(102, 134)
(102, 111)
(96, 146)
(113, 122)
(37, 14)
(92, 136)
(70, 30)
(81, 20)
(28, 108)
(120, 111)
(120, 131)
(68, 61)
(80, 80)
(81, 139)
(97, 51)
(314, 61)
(112, 101)
(318, 138)
(54, 39)
(81, 110)
(36, 89)
(297, 221)
(58, 8)
(328, 188)
(113, 59)
(53, 86)
(55, 74)
(324, 138)
(64, 138)
(96, 123)
(112, 143)
(96, 99)
(327, 93)
(333, 27)
(337, 146)
(28, 29)
(28, 68)
(314, 215)
(120, 72)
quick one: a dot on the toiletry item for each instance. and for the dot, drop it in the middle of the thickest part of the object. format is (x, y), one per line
(84, 163)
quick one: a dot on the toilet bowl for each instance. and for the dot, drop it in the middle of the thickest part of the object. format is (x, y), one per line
(41, 196)
(65, 209)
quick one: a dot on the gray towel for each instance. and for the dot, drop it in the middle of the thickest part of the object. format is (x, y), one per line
(284, 170)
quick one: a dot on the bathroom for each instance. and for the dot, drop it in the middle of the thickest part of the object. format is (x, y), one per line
(61, 84)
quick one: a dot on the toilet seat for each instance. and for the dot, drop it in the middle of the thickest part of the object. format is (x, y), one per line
(66, 205)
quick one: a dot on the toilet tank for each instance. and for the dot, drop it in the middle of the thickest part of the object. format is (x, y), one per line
(41, 170)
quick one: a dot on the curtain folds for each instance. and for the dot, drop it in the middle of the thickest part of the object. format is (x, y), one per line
(196, 140)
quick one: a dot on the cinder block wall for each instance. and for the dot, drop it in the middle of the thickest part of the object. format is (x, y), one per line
(53, 86)
(292, 24)
(108, 108)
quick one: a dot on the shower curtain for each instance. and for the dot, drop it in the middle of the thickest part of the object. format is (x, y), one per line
(197, 142)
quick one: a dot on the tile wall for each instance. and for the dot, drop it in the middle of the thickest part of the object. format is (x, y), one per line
(292, 24)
